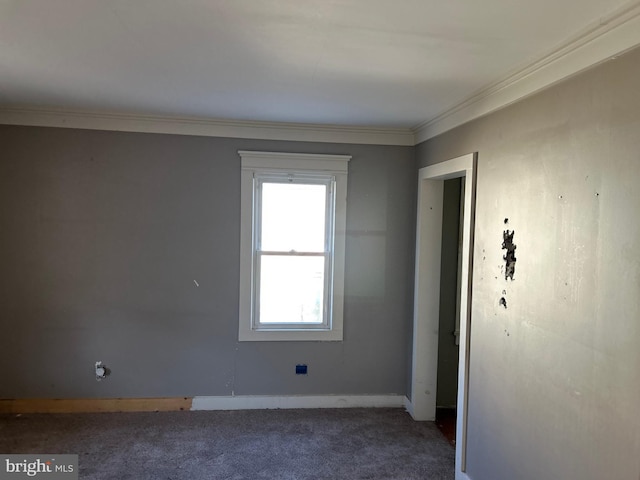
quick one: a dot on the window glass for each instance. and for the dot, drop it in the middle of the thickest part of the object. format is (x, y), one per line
(293, 217)
(291, 289)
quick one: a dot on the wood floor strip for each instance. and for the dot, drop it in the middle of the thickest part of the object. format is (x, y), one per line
(90, 405)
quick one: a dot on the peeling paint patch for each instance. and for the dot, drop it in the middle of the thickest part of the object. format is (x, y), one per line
(510, 256)
(503, 302)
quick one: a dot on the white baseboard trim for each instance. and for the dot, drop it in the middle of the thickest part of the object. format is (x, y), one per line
(257, 402)
(409, 406)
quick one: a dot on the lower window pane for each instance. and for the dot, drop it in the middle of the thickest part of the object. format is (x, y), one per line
(291, 289)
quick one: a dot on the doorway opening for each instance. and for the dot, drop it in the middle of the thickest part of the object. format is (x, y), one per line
(426, 322)
(449, 328)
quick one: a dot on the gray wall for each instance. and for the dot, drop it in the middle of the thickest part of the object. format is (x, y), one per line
(102, 235)
(555, 377)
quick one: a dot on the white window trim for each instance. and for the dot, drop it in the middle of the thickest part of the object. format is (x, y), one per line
(264, 162)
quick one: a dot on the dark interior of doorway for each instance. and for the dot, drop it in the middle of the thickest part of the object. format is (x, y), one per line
(446, 421)
(448, 349)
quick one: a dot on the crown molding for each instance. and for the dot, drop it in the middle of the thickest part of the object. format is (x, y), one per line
(125, 122)
(602, 40)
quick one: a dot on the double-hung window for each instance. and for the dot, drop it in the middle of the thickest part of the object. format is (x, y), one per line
(293, 211)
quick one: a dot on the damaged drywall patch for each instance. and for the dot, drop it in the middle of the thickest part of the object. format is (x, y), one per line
(102, 371)
(510, 256)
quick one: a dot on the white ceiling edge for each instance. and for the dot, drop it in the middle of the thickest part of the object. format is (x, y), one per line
(124, 122)
(601, 41)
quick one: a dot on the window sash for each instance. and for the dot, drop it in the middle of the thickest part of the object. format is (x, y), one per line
(328, 181)
(326, 299)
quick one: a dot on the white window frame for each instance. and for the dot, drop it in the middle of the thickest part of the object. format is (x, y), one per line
(263, 164)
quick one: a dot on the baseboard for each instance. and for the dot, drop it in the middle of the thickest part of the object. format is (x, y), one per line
(251, 402)
(409, 406)
(88, 405)
(238, 402)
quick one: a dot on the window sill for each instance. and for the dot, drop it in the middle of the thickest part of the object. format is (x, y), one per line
(290, 335)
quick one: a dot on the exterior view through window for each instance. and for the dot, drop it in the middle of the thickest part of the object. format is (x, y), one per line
(293, 251)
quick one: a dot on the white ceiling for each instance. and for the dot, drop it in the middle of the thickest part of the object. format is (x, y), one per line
(378, 63)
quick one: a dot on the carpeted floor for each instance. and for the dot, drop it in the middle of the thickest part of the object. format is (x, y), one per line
(252, 444)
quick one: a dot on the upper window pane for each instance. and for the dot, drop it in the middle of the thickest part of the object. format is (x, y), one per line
(293, 217)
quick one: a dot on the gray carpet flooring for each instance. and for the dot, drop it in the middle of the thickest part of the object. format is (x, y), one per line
(252, 444)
